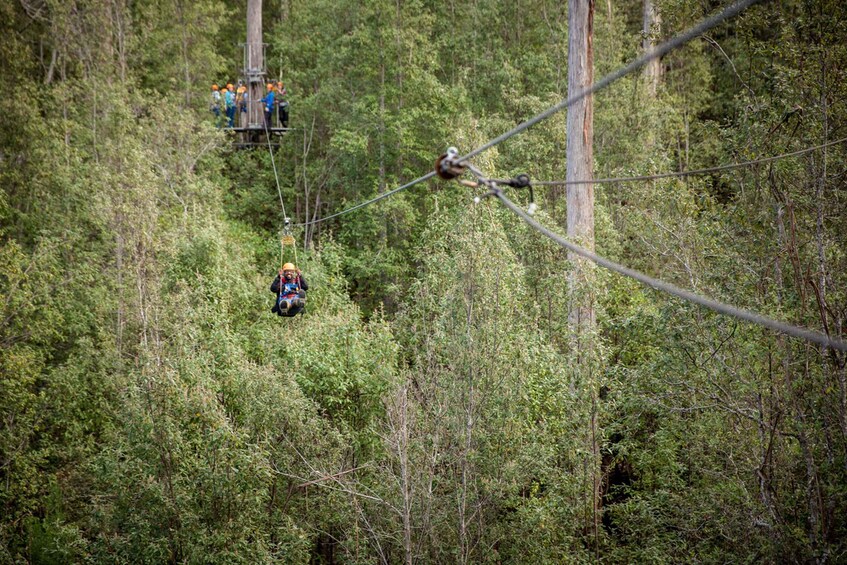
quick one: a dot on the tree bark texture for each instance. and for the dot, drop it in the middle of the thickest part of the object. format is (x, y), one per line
(580, 155)
(651, 28)
(255, 62)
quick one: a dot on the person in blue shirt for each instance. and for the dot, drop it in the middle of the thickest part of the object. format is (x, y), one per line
(269, 105)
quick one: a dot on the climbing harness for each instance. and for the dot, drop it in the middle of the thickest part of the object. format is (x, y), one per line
(287, 240)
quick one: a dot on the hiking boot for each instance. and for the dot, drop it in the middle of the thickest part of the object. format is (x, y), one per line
(298, 302)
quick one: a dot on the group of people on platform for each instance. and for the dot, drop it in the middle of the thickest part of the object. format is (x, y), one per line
(229, 101)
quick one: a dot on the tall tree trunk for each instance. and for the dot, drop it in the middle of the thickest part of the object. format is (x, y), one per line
(255, 62)
(580, 203)
(580, 155)
(651, 28)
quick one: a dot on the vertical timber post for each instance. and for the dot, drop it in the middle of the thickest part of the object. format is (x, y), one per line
(580, 203)
(255, 72)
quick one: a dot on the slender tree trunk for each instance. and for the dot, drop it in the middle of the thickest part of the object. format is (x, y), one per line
(405, 474)
(580, 204)
(186, 67)
(651, 28)
(381, 188)
(255, 63)
(53, 58)
(580, 157)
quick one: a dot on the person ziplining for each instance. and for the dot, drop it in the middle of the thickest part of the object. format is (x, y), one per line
(290, 287)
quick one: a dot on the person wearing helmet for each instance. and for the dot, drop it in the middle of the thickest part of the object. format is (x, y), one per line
(290, 288)
(268, 100)
(282, 104)
(241, 104)
(215, 105)
(229, 99)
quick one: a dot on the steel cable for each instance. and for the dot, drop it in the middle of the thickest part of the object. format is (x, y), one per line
(371, 201)
(719, 307)
(657, 52)
(691, 172)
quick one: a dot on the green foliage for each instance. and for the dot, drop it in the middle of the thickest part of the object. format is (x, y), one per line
(433, 404)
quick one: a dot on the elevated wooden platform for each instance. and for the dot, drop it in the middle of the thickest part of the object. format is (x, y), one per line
(254, 136)
(259, 129)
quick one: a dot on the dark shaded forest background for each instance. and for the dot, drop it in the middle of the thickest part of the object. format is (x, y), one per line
(429, 407)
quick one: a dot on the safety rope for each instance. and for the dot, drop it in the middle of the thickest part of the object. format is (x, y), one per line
(273, 162)
(287, 222)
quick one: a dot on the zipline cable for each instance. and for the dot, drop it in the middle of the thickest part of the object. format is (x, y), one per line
(691, 172)
(658, 51)
(719, 307)
(410, 184)
(281, 202)
(273, 164)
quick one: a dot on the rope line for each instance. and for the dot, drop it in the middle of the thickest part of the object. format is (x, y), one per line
(279, 191)
(691, 172)
(273, 163)
(719, 307)
(410, 184)
(657, 52)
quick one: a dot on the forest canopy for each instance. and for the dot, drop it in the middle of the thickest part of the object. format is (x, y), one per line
(435, 403)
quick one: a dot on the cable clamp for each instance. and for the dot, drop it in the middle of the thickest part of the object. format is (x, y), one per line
(519, 181)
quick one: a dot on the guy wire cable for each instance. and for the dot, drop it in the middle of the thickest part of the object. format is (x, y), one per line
(691, 172)
(409, 184)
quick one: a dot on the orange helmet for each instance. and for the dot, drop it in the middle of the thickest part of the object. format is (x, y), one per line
(229, 86)
(270, 86)
(214, 87)
(289, 267)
